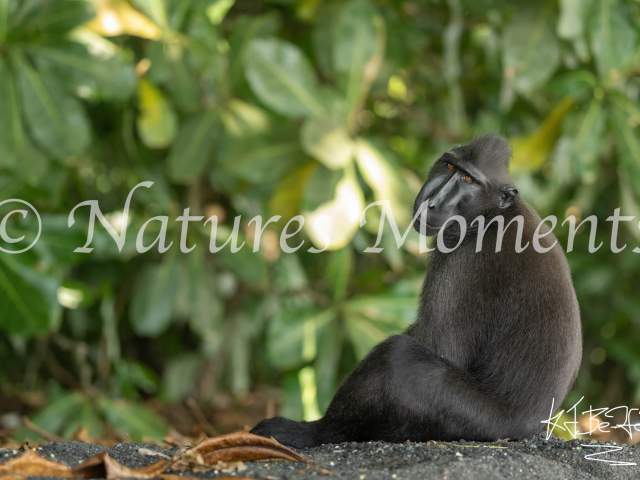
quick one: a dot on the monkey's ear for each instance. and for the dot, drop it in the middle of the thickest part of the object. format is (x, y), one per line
(507, 196)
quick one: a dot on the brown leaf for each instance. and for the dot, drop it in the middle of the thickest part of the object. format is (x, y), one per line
(82, 435)
(243, 446)
(172, 476)
(103, 466)
(247, 453)
(151, 453)
(230, 467)
(168, 476)
(32, 464)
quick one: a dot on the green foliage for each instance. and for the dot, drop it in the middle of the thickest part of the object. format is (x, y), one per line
(299, 110)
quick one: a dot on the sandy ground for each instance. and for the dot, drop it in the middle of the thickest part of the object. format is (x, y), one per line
(534, 458)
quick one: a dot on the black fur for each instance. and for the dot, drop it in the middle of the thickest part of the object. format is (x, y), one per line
(497, 336)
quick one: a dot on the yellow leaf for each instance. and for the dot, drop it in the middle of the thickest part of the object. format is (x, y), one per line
(385, 180)
(530, 153)
(286, 200)
(333, 224)
(157, 122)
(118, 17)
(242, 119)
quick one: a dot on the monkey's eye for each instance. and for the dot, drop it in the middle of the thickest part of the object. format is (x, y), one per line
(467, 178)
(449, 166)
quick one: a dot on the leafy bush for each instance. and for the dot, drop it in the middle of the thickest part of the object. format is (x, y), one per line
(286, 108)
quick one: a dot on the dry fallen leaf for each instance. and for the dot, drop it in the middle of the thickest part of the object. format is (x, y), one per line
(230, 467)
(151, 453)
(103, 466)
(168, 476)
(82, 435)
(32, 464)
(225, 453)
(243, 447)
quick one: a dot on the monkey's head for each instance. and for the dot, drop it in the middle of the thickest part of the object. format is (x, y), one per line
(470, 181)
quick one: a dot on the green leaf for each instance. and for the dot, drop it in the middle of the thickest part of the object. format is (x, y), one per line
(282, 78)
(217, 10)
(613, 38)
(56, 120)
(590, 138)
(57, 240)
(206, 311)
(363, 334)
(291, 337)
(133, 420)
(320, 188)
(157, 122)
(179, 378)
(153, 300)
(322, 41)
(87, 418)
(88, 72)
(292, 397)
(628, 144)
(249, 266)
(531, 51)
(339, 272)
(51, 20)
(54, 417)
(327, 142)
(358, 49)
(354, 37)
(577, 84)
(7, 11)
(28, 298)
(194, 146)
(262, 158)
(245, 30)
(16, 150)
(154, 9)
(169, 68)
(242, 119)
(390, 311)
(289, 274)
(328, 362)
(572, 16)
(132, 377)
(239, 357)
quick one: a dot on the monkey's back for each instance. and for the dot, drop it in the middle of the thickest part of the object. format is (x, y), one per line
(511, 320)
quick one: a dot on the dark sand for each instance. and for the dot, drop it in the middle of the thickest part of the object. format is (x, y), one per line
(534, 458)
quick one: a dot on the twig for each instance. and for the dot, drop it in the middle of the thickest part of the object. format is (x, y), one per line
(7, 432)
(36, 429)
(193, 405)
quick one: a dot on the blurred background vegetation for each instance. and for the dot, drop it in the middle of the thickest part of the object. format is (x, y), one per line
(284, 107)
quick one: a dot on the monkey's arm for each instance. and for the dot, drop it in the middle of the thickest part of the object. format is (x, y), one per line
(403, 391)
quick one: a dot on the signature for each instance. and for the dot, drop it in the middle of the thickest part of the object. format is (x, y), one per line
(596, 425)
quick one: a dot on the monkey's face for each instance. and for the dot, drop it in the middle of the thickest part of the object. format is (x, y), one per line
(462, 182)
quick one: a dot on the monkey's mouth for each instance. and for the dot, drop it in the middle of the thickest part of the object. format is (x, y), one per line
(422, 224)
(425, 228)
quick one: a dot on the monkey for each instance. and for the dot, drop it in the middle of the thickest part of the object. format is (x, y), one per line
(497, 340)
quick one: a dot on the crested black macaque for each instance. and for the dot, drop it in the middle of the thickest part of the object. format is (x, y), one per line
(497, 337)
